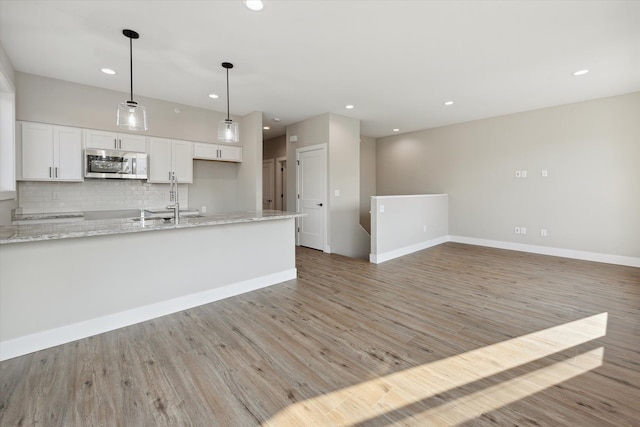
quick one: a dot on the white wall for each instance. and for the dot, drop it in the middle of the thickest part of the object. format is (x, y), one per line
(401, 225)
(589, 201)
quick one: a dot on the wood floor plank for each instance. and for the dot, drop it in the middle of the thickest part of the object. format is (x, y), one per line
(452, 335)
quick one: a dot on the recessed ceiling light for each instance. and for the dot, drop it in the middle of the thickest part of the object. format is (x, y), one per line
(255, 5)
(396, 130)
(448, 103)
(213, 96)
(349, 107)
(266, 127)
(580, 72)
(275, 119)
(107, 71)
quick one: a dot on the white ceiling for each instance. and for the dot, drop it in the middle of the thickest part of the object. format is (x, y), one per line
(396, 61)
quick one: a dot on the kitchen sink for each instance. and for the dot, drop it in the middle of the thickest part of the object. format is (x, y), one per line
(134, 214)
(159, 219)
(166, 218)
(184, 213)
(114, 214)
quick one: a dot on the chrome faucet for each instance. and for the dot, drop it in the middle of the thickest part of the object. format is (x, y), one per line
(173, 197)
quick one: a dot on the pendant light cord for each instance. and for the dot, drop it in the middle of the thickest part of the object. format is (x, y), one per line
(131, 65)
(228, 118)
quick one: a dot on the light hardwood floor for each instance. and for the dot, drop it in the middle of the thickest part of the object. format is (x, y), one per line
(453, 335)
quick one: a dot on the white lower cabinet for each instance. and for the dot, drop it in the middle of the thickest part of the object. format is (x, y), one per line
(114, 141)
(170, 155)
(226, 153)
(50, 153)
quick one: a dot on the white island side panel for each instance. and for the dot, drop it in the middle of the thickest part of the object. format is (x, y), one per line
(59, 291)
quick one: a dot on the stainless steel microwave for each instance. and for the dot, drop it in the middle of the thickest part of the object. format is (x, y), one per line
(114, 164)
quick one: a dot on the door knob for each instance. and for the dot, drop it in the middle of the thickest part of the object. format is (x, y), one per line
(319, 204)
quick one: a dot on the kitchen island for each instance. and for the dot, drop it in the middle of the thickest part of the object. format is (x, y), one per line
(65, 281)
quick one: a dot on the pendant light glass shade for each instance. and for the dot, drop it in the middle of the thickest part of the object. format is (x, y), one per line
(228, 129)
(130, 115)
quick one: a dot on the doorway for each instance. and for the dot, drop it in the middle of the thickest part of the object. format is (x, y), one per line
(281, 183)
(312, 196)
(268, 184)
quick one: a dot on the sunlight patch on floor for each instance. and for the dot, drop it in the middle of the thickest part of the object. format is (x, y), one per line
(391, 393)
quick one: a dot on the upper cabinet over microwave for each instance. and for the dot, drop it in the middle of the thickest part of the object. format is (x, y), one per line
(103, 140)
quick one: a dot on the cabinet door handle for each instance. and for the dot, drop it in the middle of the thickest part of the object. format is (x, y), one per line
(120, 144)
(50, 172)
(115, 143)
(56, 171)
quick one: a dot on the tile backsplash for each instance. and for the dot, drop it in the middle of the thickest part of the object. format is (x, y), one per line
(94, 195)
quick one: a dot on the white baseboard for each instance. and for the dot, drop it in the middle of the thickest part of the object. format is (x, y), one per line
(53, 337)
(542, 250)
(396, 253)
(546, 250)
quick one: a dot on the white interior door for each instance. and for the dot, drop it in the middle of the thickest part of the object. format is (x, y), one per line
(268, 184)
(312, 196)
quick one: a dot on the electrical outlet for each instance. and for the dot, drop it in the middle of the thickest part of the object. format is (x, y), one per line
(381, 208)
(518, 174)
(517, 230)
(543, 232)
(523, 174)
(55, 196)
(203, 209)
(545, 173)
(523, 230)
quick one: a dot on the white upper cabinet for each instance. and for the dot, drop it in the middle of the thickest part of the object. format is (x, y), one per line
(170, 155)
(115, 141)
(51, 153)
(182, 157)
(227, 153)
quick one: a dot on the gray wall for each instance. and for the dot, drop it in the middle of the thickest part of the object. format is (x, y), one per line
(367, 179)
(250, 172)
(9, 73)
(274, 147)
(217, 185)
(346, 235)
(41, 99)
(342, 136)
(589, 201)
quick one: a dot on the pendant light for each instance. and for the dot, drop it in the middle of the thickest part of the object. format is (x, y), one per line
(131, 116)
(227, 128)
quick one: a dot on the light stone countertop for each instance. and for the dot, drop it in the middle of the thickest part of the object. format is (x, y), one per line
(86, 228)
